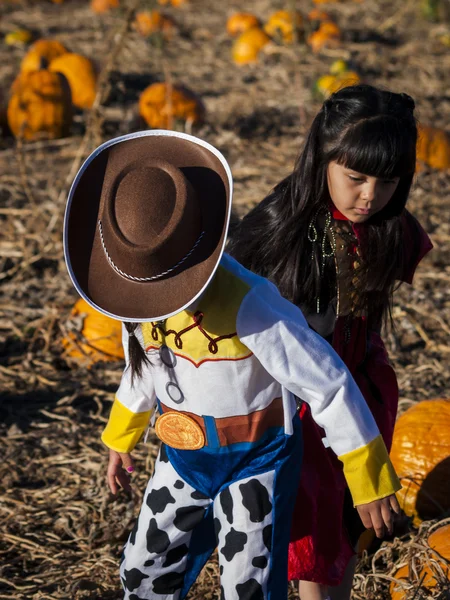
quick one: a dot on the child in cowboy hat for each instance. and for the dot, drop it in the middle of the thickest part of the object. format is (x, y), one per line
(220, 354)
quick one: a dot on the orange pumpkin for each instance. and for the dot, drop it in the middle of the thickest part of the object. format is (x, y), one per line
(149, 22)
(102, 6)
(283, 24)
(41, 54)
(248, 45)
(240, 22)
(161, 104)
(172, 2)
(318, 15)
(327, 36)
(421, 456)
(433, 147)
(328, 84)
(438, 540)
(40, 106)
(100, 338)
(80, 73)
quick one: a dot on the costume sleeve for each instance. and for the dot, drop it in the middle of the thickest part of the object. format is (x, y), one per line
(132, 408)
(416, 244)
(277, 333)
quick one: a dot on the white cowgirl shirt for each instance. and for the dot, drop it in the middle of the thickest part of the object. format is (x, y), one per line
(242, 347)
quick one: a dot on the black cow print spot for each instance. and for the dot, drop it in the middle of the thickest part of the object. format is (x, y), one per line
(267, 537)
(256, 500)
(260, 562)
(199, 496)
(122, 558)
(234, 543)
(157, 500)
(168, 583)
(221, 569)
(157, 540)
(133, 579)
(217, 526)
(188, 517)
(163, 454)
(134, 597)
(250, 590)
(133, 533)
(179, 485)
(226, 502)
(149, 563)
(175, 555)
(222, 593)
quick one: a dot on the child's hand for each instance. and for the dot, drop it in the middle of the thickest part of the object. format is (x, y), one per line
(379, 514)
(118, 468)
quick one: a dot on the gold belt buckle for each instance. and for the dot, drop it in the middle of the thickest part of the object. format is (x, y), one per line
(179, 431)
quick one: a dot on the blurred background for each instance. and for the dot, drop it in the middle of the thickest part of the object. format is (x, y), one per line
(249, 78)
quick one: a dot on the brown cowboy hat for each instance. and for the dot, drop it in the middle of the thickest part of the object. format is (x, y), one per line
(146, 223)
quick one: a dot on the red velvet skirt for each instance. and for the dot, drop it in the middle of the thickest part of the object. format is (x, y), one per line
(324, 523)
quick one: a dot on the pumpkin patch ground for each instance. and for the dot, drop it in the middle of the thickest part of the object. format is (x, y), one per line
(62, 533)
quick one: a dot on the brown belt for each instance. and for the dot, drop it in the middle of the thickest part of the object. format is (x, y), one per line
(223, 431)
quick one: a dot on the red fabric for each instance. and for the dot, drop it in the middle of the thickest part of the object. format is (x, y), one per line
(320, 548)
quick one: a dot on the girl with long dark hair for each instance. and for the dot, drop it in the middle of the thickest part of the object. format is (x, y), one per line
(336, 238)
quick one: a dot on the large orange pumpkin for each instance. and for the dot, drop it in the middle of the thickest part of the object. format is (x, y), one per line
(433, 147)
(41, 54)
(438, 540)
(248, 46)
(40, 106)
(100, 338)
(421, 456)
(161, 104)
(80, 73)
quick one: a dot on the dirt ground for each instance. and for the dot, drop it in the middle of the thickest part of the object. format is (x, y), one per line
(62, 532)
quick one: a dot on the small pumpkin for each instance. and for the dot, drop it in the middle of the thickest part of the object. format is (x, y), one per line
(438, 540)
(150, 22)
(40, 106)
(318, 15)
(421, 456)
(41, 54)
(283, 24)
(172, 2)
(80, 73)
(240, 22)
(248, 45)
(19, 37)
(433, 147)
(102, 6)
(100, 338)
(161, 104)
(327, 36)
(329, 84)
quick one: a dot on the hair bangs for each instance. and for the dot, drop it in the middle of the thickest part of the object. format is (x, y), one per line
(378, 147)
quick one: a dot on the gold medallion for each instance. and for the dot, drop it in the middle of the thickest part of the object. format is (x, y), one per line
(179, 431)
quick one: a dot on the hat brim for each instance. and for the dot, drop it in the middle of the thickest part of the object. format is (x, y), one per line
(92, 274)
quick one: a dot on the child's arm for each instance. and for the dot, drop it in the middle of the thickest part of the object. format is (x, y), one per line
(277, 333)
(130, 414)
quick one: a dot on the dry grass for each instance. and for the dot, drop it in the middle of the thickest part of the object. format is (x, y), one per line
(62, 531)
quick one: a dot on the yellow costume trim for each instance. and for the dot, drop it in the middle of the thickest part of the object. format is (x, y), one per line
(369, 472)
(215, 337)
(179, 431)
(124, 428)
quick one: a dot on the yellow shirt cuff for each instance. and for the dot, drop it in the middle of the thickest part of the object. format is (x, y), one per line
(369, 472)
(124, 428)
